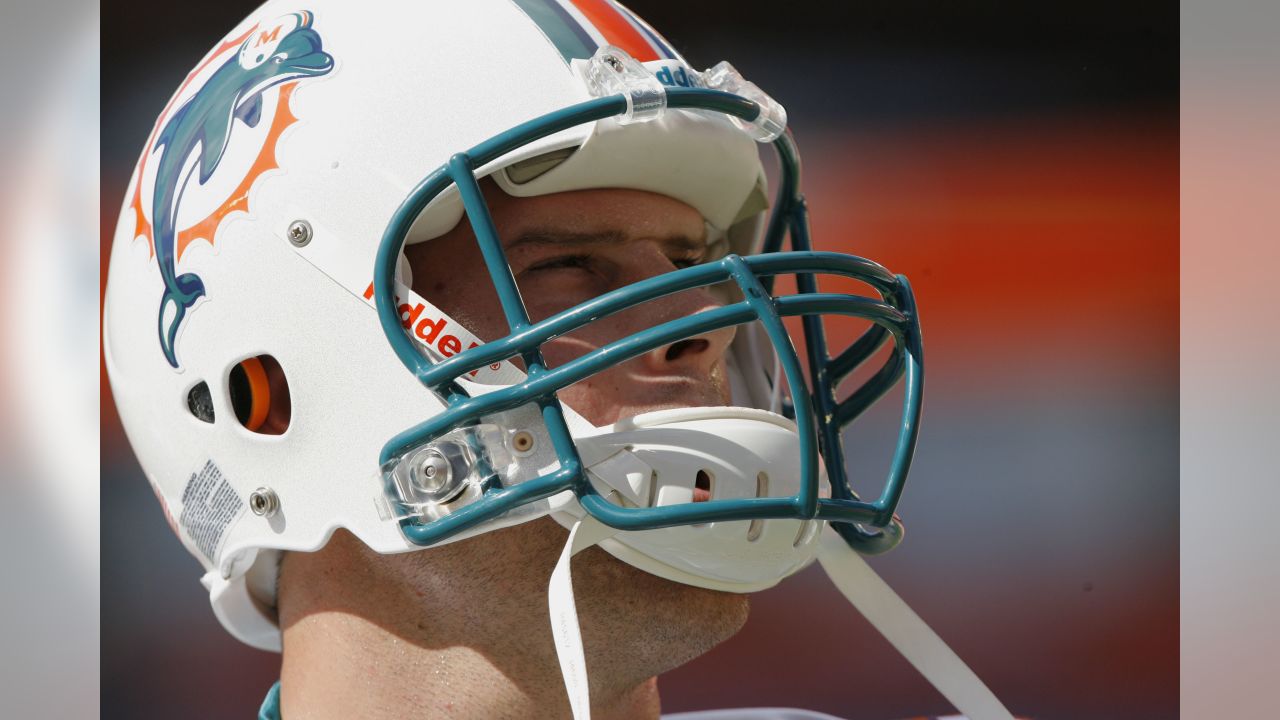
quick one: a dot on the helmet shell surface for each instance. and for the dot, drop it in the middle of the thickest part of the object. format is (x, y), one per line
(251, 225)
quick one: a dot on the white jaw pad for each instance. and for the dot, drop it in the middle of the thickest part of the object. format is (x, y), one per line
(654, 460)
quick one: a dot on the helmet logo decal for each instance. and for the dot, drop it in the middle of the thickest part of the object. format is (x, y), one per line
(229, 116)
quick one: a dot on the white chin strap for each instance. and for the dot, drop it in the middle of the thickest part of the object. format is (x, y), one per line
(855, 579)
(564, 614)
(900, 625)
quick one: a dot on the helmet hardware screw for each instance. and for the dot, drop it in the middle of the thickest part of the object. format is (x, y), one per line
(300, 233)
(264, 502)
(613, 63)
(435, 473)
(522, 441)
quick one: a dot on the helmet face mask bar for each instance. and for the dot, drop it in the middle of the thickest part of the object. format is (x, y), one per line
(456, 469)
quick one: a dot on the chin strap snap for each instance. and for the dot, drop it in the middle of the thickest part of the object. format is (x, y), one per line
(564, 614)
(900, 625)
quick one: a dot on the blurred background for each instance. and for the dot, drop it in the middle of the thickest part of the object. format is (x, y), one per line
(49, 401)
(1019, 162)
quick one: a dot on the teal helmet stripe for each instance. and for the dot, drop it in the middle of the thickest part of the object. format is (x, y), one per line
(560, 28)
(577, 28)
(820, 415)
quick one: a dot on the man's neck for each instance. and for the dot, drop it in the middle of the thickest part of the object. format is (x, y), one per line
(337, 665)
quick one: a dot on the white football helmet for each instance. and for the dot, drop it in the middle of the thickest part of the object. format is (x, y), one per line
(279, 377)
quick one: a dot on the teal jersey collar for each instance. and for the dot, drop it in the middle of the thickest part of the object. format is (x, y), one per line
(271, 704)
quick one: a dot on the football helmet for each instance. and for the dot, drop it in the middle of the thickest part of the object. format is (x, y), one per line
(279, 376)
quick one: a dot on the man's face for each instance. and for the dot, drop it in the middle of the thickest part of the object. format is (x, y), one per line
(564, 249)
(570, 247)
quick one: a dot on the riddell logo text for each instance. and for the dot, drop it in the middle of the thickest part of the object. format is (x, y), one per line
(427, 330)
(674, 78)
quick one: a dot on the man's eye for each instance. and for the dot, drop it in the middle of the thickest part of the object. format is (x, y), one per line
(565, 261)
(687, 261)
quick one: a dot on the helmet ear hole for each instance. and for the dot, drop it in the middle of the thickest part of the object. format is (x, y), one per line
(260, 395)
(200, 402)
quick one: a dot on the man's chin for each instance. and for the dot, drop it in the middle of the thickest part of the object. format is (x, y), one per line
(704, 617)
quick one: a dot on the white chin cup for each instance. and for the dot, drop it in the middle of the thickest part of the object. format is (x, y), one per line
(655, 459)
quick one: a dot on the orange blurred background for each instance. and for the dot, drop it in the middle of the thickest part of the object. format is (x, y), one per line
(1020, 166)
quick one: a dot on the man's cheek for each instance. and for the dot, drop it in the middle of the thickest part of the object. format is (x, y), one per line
(720, 382)
(586, 401)
(566, 349)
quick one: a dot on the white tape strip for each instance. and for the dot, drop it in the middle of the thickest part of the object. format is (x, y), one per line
(900, 625)
(564, 614)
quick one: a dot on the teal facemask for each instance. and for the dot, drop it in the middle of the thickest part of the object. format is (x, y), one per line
(868, 526)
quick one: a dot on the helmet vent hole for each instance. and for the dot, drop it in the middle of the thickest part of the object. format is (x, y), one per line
(756, 528)
(200, 402)
(260, 395)
(702, 482)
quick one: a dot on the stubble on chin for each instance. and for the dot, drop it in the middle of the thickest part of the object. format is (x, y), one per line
(660, 624)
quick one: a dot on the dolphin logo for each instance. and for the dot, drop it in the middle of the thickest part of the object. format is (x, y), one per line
(196, 136)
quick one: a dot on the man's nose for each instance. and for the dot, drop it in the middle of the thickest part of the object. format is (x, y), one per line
(696, 355)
